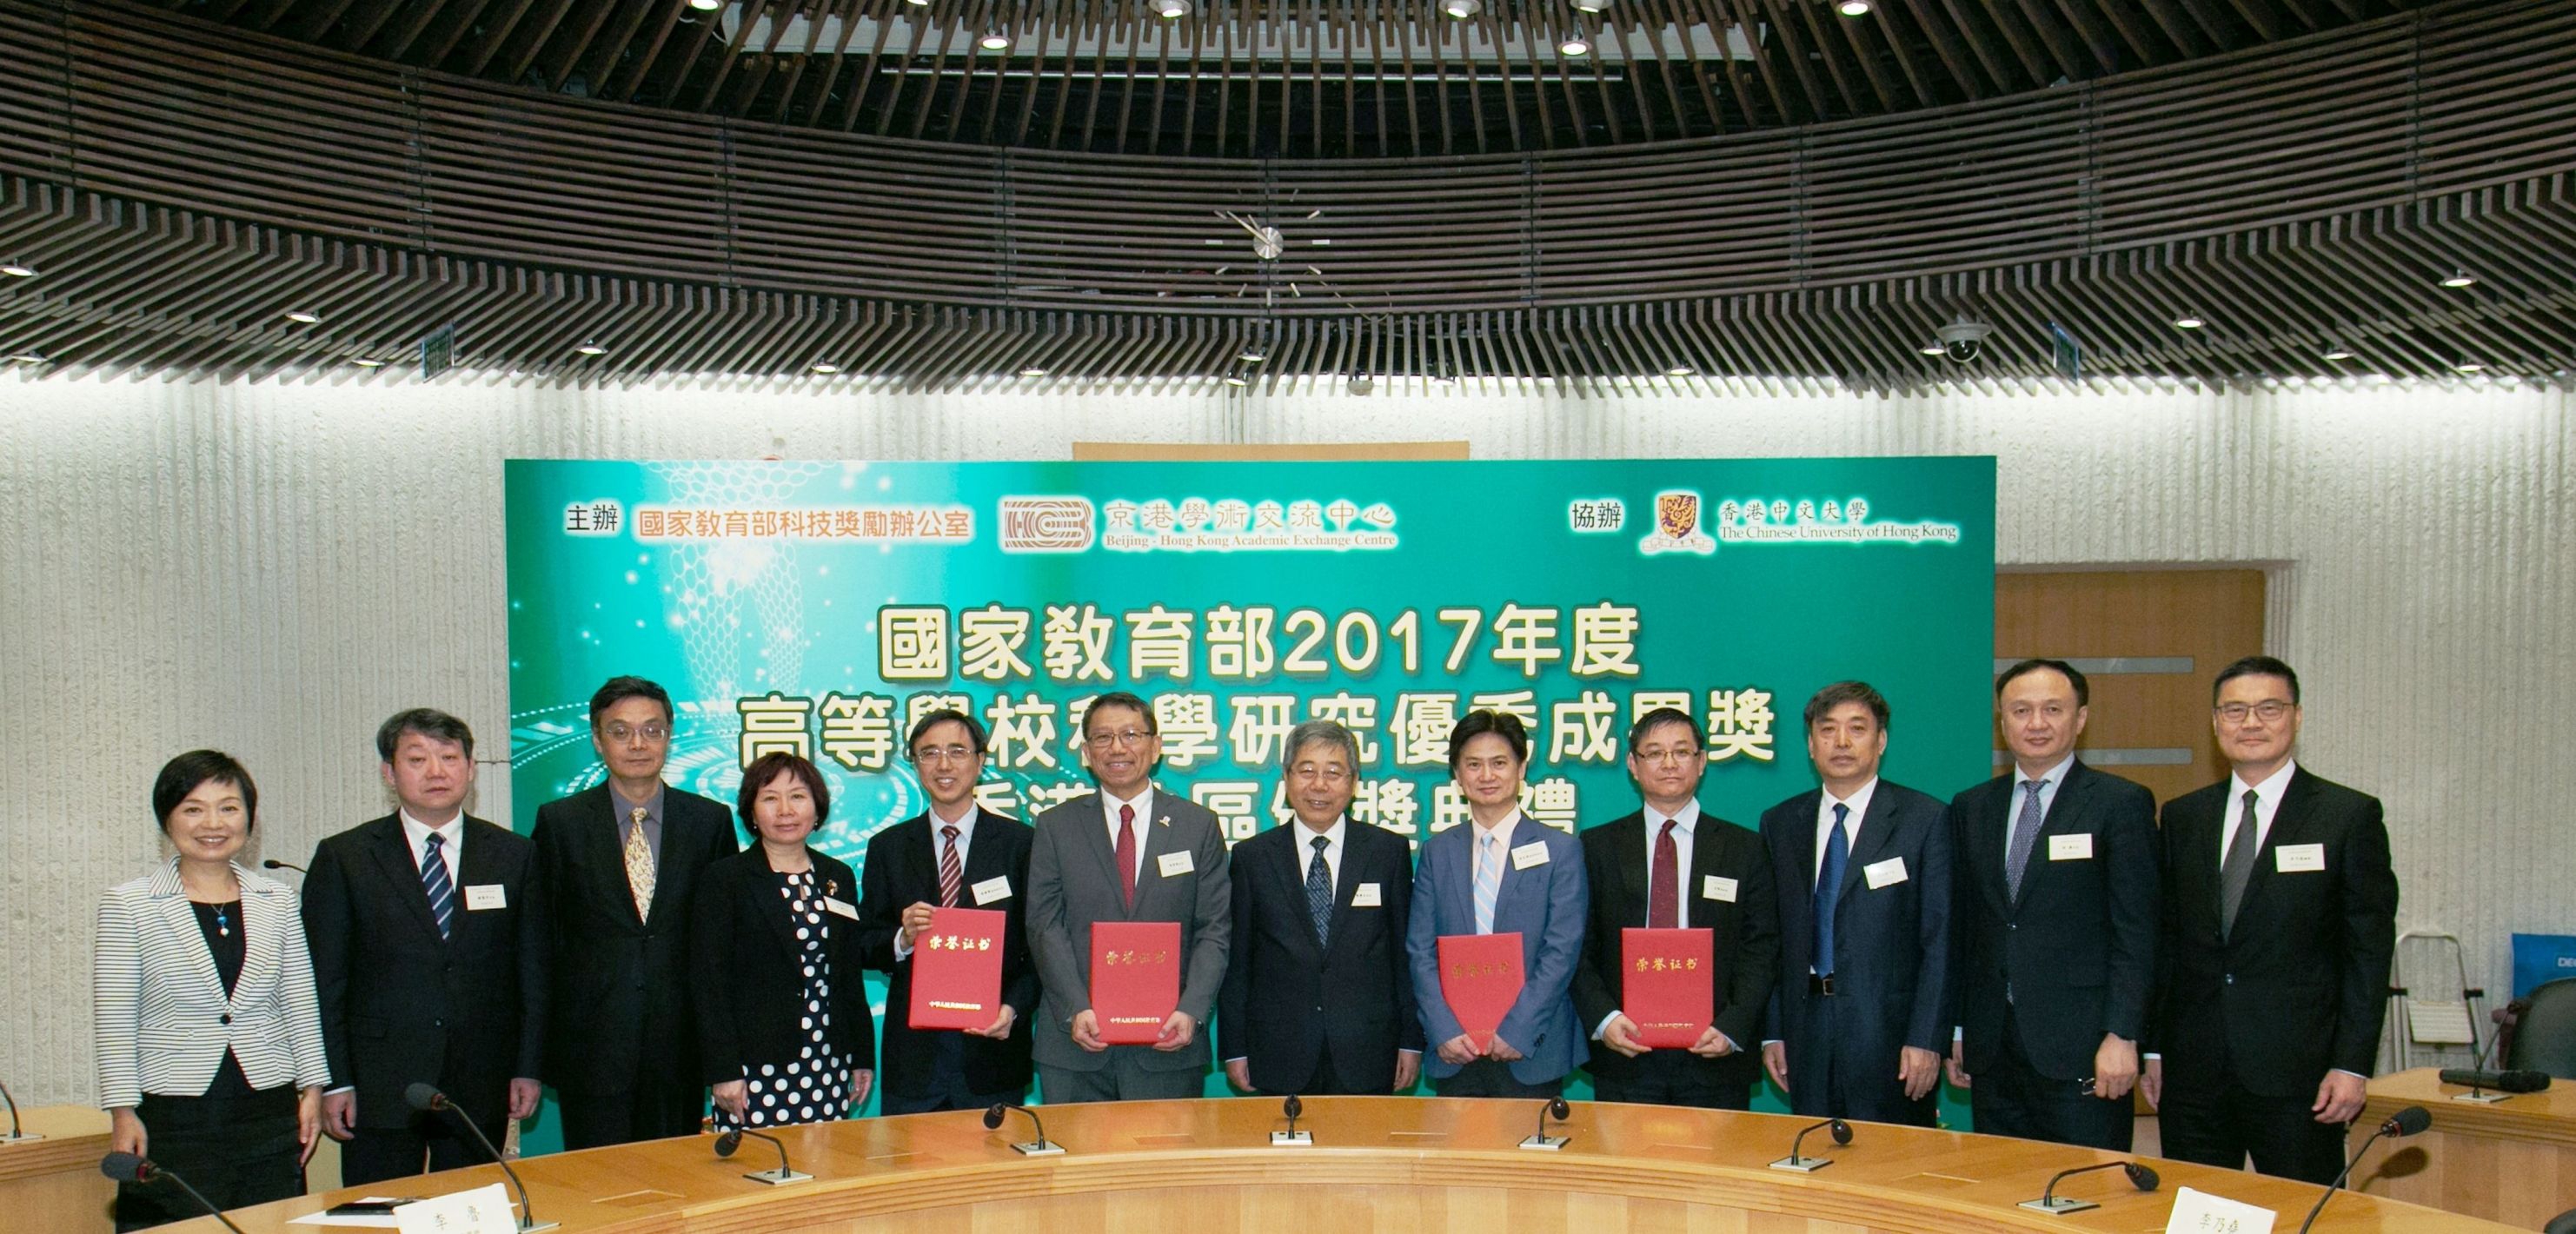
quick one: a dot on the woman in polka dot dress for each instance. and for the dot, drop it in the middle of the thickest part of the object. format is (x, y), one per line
(783, 1021)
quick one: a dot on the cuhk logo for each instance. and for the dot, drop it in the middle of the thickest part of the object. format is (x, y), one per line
(1046, 524)
(1676, 514)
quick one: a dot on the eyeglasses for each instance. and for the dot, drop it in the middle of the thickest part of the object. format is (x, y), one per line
(650, 734)
(2269, 711)
(943, 754)
(1332, 773)
(1123, 737)
(1667, 758)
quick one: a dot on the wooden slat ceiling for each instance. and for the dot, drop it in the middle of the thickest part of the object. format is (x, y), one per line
(181, 186)
(1289, 78)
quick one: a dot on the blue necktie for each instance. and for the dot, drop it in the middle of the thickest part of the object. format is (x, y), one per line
(1319, 892)
(1829, 890)
(433, 879)
(2025, 837)
(1489, 882)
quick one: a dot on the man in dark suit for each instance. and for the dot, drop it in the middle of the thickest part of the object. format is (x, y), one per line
(1129, 852)
(956, 856)
(2280, 920)
(2054, 925)
(1318, 995)
(428, 936)
(1862, 1011)
(1670, 867)
(619, 862)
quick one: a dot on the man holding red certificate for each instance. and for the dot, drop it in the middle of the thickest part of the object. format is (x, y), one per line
(1497, 930)
(1131, 857)
(950, 860)
(1684, 941)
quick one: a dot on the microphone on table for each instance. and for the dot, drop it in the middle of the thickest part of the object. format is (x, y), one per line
(2403, 1123)
(1558, 1110)
(274, 864)
(17, 1134)
(1292, 1137)
(2053, 1204)
(731, 1140)
(1038, 1147)
(1842, 1134)
(426, 1098)
(129, 1168)
(2505, 1083)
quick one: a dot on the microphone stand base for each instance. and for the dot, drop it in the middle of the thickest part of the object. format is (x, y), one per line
(2058, 1206)
(540, 1227)
(1544, 1143)
(2482, 1098)
(1039, 1148)
(1802, 1165)
(1292, 1139)
(25, 1138)
(779, 1177)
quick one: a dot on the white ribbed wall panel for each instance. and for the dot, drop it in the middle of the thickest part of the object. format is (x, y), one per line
(272, 569)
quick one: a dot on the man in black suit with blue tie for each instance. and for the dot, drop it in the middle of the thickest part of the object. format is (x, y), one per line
(951, 855)
(429, 961)
(2055, 925)
(1862, 1013)
(1318, 995)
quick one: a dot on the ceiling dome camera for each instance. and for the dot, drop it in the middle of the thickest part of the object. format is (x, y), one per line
(1963, 339)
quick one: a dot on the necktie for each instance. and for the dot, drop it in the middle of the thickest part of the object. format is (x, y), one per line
(2238, 868)
(2025, 835)
(433, 879)
(1664, 886)
(1127, 854)
(1829, 890)
(639, 865)
(1489, 881)
(952, 872)
(1319, 892)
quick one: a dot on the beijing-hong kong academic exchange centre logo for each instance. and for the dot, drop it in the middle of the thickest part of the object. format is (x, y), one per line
(1047, 524)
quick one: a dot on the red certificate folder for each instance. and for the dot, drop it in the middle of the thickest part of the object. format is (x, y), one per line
(1480, 976)
(1665, 986)
(957, 969)
(1135, 979)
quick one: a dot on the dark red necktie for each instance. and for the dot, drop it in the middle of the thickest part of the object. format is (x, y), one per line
(1664, 889)
(1127, 854)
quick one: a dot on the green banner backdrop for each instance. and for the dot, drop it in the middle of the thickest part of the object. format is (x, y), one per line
(819, 607)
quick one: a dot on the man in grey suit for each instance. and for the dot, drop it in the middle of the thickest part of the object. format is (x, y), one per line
(1126, 853)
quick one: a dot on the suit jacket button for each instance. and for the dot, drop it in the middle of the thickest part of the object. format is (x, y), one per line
(2231, 978)
(225, 1018)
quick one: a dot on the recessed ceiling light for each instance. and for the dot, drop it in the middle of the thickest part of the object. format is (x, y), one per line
(1235, 379)
(27, 357)
(1252, 355)
(1574, 47)
(2338, 351)
(2468, 366)
(369, 362)
(1681, 370)
(1853, 8)
(706, 6)
(823, 368)
(17, 270)
(304, 317)
(1170, 9)
(2188, 322)
(1461, 9)
(590, 348)
(1591, 6)
(1934, 349)
(1033, 371)
(995, 41)
(2459, 279)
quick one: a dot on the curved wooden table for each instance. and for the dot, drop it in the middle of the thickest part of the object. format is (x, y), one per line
(53, 1184)
(1378, 1164)
(2513, 1161)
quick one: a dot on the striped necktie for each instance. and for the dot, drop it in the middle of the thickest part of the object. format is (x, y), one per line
(1489, 881)
(434, 880)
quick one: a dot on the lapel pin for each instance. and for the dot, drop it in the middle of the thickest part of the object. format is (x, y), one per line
(1164, 821)
(831, 886)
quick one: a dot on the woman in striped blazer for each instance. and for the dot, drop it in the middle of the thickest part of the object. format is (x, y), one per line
(210, 1053)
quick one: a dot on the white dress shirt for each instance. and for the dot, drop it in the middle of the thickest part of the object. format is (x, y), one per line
(2267, 803)
(1144, 803)
(1334, 838)
(451, 842)
(1684, 824)
(1859, 803)
(939, 844)
(2052, 779)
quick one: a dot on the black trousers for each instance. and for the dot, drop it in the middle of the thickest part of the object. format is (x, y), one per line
(1852, 1087)
(235, 1150)
(2010, 1097)
(1679, 1077)
(948, 1090)
(428, 1142)
(1488, 1078)
(2222, 1126)
(659, 1107)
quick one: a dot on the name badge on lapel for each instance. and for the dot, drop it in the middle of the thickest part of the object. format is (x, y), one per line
(1172, 864)
(839, 909)
(2299, 858)
(483, 896)
(1886, 873)
(1533, 853)
(2071, 848)
(1364, 896)
(997, 887)
(1712, 887)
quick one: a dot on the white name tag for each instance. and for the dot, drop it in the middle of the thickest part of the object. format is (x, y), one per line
(2071, 848)
(1714, 888)
(484, 1210)
(1364, 896)
(1174, 863)
(1533, 853)
(2299, 858)
(2198, 1212)
(997, 887)
(838, 909)
(1886, 873)
(486, 895)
